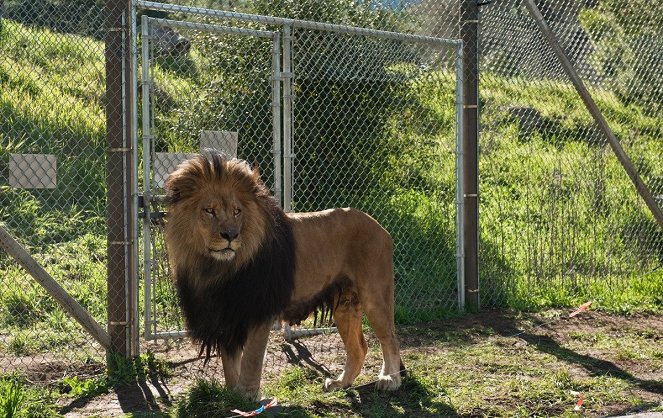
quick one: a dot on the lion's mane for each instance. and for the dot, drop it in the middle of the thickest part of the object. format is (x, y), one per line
(221, 301)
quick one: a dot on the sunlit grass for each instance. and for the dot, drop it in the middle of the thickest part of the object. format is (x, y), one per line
(475, 371)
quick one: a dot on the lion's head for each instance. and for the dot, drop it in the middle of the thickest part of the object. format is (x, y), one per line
(227, 240)
(216, 210)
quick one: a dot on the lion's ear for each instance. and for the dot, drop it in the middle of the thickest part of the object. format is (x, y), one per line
(255, 171)
(172, 196)
(172, 192)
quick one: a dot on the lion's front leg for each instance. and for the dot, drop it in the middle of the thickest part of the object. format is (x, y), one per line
(231, 367)
(252, 359)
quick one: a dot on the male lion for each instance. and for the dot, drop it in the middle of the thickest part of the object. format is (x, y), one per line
(240, 262)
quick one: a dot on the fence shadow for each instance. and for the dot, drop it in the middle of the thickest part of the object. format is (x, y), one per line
(507, 327)
(413, 399)
(593, 365)
(149, 395)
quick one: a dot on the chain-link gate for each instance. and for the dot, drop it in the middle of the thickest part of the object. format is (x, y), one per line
(327, 111)
(239, 118)
(370, 113)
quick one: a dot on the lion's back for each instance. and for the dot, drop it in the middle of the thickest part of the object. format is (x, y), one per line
(336, 243)
(337, 224)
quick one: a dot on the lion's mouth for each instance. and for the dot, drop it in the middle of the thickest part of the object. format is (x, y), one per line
(223, 253)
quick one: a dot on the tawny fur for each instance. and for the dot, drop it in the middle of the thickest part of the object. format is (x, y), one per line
(224, 232)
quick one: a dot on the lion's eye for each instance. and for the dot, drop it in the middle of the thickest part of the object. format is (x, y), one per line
(209, 211)
(237, 211)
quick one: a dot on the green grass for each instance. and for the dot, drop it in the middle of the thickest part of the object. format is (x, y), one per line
(560, 221)
(498, 364)
(27, 309)
(558, 210)
(480, 367)
(209, 398)
(18, 399)
(21, 399)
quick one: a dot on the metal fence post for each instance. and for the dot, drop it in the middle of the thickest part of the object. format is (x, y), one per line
(469, 32)
(120, 205)
(276, 114)
(132, 113)
(460, 187)
(287, 119)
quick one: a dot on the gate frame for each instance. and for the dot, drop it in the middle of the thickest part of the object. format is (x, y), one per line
(285, 75)
(147, 198)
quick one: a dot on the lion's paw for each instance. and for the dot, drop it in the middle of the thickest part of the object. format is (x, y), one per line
(388, 383)
(333, 384)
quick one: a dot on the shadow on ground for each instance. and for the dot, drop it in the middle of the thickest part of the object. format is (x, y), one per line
(508, 327)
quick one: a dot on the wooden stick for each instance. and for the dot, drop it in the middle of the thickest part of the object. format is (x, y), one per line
(68, 303)
(623, 158)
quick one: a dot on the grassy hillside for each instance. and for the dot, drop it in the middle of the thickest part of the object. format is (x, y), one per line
(560, 222)
(51, 101)
(556, 204)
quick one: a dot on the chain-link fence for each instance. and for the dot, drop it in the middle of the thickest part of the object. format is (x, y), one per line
(52, 182)
(368, 121)
(374, 127)
(559, 215)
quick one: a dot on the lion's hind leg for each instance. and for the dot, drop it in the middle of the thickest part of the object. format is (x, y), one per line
(379, 307)
(347, 316)
(392, 366)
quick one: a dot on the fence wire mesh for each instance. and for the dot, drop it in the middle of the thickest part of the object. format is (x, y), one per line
(374, 127)
(559, 215)
(373, 124)
(52, 182)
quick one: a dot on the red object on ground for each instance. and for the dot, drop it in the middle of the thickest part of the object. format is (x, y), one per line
(271, 403)
(582, 308)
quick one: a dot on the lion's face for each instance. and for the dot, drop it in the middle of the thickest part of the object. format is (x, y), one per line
(220, 225)
(216, 209)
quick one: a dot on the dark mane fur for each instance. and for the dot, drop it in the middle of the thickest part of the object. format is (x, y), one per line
(322, 305)
(220, 313)
(220, 305)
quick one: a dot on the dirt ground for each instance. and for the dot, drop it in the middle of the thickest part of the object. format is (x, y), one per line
(324, 353)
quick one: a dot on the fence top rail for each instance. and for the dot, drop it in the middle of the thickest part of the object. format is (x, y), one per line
(211, 27)
(296, 23)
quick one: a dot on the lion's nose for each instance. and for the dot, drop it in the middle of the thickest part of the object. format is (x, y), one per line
(229, 234)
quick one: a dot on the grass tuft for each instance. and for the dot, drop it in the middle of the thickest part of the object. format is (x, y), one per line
(210, 398)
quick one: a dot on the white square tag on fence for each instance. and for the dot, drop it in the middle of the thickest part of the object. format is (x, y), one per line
(32, 171)
(225, 142)
(165, 163)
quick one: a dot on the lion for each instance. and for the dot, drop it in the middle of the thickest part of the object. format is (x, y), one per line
(240, 263)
